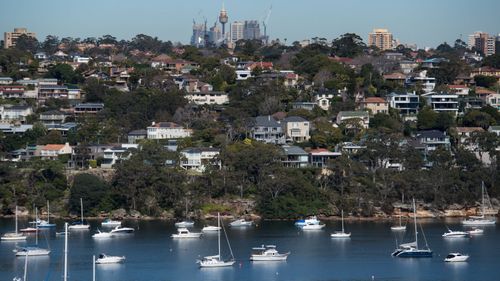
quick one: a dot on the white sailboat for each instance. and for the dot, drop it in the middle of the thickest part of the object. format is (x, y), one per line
(32, 250)
(217, 261)
(341, 234)
(80, 225)
(399, 227)
(13, 236)
(480, 220)
(25, 271)
(46, 223)
(185, 223)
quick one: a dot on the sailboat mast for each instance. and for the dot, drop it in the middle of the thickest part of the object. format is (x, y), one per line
(218, 232)
(48, 212)
(93, 268)
(482, 200)
(16, 219)
(26, 267)
(415, 220)
(342, 221)
(65, 251)
(81, 209)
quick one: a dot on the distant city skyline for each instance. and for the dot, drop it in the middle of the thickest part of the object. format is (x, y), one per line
(427, 24)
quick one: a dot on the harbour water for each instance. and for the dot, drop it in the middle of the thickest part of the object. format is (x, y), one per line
(151, 255)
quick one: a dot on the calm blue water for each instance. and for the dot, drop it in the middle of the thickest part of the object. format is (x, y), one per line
(152, 255)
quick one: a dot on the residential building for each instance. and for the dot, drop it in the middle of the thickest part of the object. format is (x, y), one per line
(11, 113)
(323, 98)
(398, 78)
(10, 38)
(203, 98)
(485, 71)
(199, 158)
(304, 105)
(460, 90)
(88, 108)
(381, 38)
(237, 28)
(52, 117)
(296, 129)
(421, 81)
(433, 139)
(63, 128)
(267, 129)
(117, 154)
(482, 42)
(74, 93)
(243, 74)
(8, 128)
(442, 102)
(320, 157)
(406, 104)
(464, 136)
(137, 135)
(494, 129)
(46, 92)
(493, 100)
(41, 56)
(374, 105)
(173, 65)
(6, 80)
(81, 59)
(12, 91)
(167, 130)
(53, 151)
(362, 117)
(294, 157)
(407, 66)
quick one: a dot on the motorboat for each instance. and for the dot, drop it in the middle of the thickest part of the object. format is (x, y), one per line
(105, 259)
(31, 251)
(267, 253)
(342, 233)
(399, 227)
(122, 230)
(411, 250)
(309, 220)
(110, 223)
(475, 231)
(13, 236)
(82, 224)
(456, 257)
(480, 220)
(455, 234)
(312, 226)
(216, 260)
(241, 222)
(185, 233)
(101, 235)
(210, 228)
(28, 230)
(184, 224)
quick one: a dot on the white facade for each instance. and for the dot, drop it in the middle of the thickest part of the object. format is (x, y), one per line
(54, 150)
(167, 130)
(199, 158)
(14, 113)
(81, 59)
(237, 28)
(442, 102)
(323, 100)
(202, 98)
(243, 74)
(114, 155)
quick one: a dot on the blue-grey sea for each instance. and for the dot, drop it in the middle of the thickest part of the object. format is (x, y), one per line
(151, 255)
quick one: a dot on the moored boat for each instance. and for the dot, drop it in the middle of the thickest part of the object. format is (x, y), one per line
(185, 223)
(455, 234)
(13, 236)
(456, 257)
(110, 223)
(311, 226)
(475, 231)
(216, 260)
(210, 228)
(122, 230)
(309, 220)
(102, 235)
(342, 233)
(267, 253)
(105, 259)
(241, 222)
(185, 233)
(480, 220)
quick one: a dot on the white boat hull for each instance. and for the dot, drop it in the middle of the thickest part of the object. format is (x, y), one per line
(111, 224)
(478, 222)
(102, 235)
(190, 235)
(398, 228)
(33, 252)
(340, 235)
(313, 227)
(210, 229)
(215, 263)
(184, 224)
(281, 257)
(240, 223)
(475, 232)
(461, 258)
(13, 237)
(122, 230)
(79, 227)
(109, 260)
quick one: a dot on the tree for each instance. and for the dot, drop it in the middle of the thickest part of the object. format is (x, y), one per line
(65, 73)
(50, 44)
(426, 119)
(485, 81)
(492, 61)
(27, 44)
(476, 118)
(95, 193)
(348, 45)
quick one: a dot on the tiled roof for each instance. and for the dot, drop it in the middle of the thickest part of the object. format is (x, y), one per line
(469, 129)
(374, 100)
(53, 147)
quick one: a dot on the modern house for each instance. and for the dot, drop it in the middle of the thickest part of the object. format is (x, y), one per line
(374, 105)
(460, 90)
(199, 158)
(88, 108)
(137, 135)
(207, 98)
(493, 100)
(267, 129)
(52, 151)
(294, 157)
(406, 104)
(320, 157)
(52, 117)
(421, 80)
(46, 92)
(12, 113)
(167, 130)
(117, 154)
(433, 139)
(296, 129)
(442, 102)
(362, 117)
(494, 129)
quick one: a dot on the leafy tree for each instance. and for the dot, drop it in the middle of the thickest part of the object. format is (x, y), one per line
(65, 73)
(95, 193)
(476, 118)
(50, 44)
(348, 45)
(492, 61)
(27, 44)
(485, 81)
(426, 118)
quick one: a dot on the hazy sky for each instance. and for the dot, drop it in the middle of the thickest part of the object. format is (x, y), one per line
(424, 22)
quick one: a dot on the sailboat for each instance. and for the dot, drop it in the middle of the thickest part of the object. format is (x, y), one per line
(43, 223)
(217, 261)
(411, 250)
(30, 229)
(341, 234)
(187, 222)
(32, 250)
(399, 227)
(480, 220)
(83, 225)
(13, 236)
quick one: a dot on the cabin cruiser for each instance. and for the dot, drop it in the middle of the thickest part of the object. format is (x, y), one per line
(185, 233)
(241, 222)
(184, 224)
(456, 257)
(122, 230)
(79, 225)
(455, 234)
(105, 259)
(267, 253)
(312, 226)
(110, 223)
(210, 228)
(309, 220)
(100, 235)
(475, 231)
(31, 251)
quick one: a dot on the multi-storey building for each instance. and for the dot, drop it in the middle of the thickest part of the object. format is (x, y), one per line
(167, 130)
(251, 30)
(237, 28)
(406, 104)
(268, 130)
(381, 38)
(442, 102)
(10, 38)
(199, 158)
(375, 105)
(482, 42)
(296, 128)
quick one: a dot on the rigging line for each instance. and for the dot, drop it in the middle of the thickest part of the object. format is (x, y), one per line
(423, 234)
(227, 240)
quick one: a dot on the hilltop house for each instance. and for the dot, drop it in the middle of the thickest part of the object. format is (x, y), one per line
(374, 105)
(406, 104)
(167, 130)
(442, 102)
(267, 129)
(296, 129)
(294, 157)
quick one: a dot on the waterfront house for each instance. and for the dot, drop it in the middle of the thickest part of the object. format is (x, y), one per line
(267, 129)
(117, 154)
(167, 130)
(296, 129)
(294, 157)
(199, 158)
(53, 151)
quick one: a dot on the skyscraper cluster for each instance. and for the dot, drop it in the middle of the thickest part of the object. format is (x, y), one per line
(484, 43)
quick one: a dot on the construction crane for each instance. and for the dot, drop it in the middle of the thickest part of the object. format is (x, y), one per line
(264, 23)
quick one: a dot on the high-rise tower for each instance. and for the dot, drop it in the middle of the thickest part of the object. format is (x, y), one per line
(223, 19)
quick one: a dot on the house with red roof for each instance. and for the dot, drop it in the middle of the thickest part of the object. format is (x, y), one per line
(52, 151)
(374, 105)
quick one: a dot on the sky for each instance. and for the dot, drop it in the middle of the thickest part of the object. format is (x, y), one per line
(426, 23)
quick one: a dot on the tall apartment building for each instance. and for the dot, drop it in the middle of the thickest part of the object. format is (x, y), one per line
(381, 38)
(482, 42)
(251, 30)
(198, 37)
(10, 38)
(237, 28)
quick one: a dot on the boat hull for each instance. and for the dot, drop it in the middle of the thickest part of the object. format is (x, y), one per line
(340, 235)
(13, 237)
(190, 235)
(210, 229)
(110, 260)
(33, 252)
(281, 257)
(398, 228)
(478, 222)
(79, 227)
(414, 254)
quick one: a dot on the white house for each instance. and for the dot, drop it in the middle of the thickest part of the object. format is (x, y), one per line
(202, 98)
(243, 74)
(116, 154)
(81, 59)
(362, 116)
(167, 130)
(296, 128)
(199, 158)
(52, 151)
(442, 102)
(9, 113)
